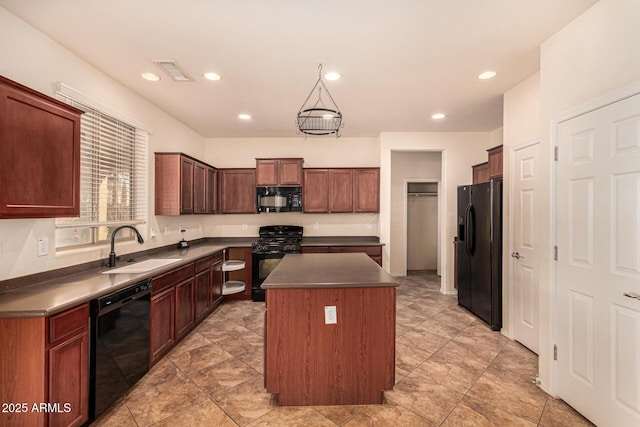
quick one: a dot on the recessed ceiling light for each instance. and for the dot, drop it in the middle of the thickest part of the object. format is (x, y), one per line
(150, 77)
(244, 116)
(212, 76)
(487, 75)
(438, 116)
(332, 75)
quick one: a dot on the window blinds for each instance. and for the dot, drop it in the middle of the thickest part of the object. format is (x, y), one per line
(113, 169)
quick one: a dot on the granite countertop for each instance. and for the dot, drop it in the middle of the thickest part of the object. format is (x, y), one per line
(351, 270)
(56, 295)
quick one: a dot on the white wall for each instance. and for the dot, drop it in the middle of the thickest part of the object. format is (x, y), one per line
(521, 124)
(599, 52)
(36, 61)
(459, 152)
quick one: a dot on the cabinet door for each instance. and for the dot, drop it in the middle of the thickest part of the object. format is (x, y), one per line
(290, 172)
(217, 279)
(186, 185)
(162, 332)
(341, 190)
(39, 155)
(185, 309)
(237, 191)
(481, 173)
(495, 162)
(199, 188)
(210, 190)
(367, 190)
(267, 172)
(69, 381)
(315, 192)
(202, 294)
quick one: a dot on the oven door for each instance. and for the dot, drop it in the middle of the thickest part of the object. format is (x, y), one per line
(263, 264)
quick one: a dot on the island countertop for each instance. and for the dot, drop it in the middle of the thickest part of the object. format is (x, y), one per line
(344, 270)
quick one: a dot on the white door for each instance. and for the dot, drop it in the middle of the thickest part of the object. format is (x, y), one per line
(524, 257)
(598, 238)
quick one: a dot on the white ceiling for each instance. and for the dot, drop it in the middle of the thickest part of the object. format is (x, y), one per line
(401, 60)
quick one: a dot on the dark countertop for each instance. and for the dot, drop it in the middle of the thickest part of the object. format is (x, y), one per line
(351, 270)
(48, 293)
(341, 241)
(56, 295)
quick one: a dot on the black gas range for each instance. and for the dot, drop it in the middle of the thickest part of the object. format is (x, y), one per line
(274, 243)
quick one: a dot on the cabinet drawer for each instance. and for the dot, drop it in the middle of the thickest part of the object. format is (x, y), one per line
(207, 262)
(68, 323)
(172, 277)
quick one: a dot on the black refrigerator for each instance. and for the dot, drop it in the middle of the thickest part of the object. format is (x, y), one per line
(479, 251)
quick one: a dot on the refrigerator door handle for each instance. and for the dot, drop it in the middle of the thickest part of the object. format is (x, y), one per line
(468, 244)
(471, 229)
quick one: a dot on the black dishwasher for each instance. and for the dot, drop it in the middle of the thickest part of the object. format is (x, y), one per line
(119, 344)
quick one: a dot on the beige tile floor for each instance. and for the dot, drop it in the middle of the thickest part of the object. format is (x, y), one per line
(451, 370)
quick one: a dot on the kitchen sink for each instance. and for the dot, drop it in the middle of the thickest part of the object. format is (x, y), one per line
(142, 266)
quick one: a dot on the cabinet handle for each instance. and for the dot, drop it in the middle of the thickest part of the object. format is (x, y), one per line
(632, 295)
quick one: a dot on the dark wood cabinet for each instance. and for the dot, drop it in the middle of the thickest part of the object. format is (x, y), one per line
(480, 173)
(237, 191)
(367, 190)
(39, 154)
(162, 332)
(279, 172)
(491, 169)
(172, 309)
(208, 285)
(315, 191)
(184, 185)
(341, 190)
(374, 251)
(185, 310)
(345, 190)
(53, 355)
(495, 162)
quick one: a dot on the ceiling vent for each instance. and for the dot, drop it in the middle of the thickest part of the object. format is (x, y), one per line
(173, 70)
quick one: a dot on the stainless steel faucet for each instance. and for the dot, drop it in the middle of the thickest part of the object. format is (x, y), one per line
(112, 254)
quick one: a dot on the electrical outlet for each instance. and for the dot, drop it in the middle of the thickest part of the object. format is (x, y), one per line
(244, 226)
(369, 225)
(43, 246)
(316, 225)
(330, 317)
(152, 233)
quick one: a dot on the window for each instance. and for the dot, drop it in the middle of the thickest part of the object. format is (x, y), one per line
(113, 175)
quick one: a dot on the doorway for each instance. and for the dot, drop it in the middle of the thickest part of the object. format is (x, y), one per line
(423, 220)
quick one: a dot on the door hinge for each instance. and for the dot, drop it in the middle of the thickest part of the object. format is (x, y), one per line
(555, 352)
(555, 253)
(555, 153)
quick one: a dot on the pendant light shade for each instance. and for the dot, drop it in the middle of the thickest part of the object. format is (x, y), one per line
(317, 118)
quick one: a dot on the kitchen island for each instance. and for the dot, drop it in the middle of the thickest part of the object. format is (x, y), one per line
(329, 330)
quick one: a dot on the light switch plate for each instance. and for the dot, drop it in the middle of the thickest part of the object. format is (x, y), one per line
(330, 317)
(43, 246)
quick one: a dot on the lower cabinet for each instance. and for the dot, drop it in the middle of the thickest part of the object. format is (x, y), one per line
(182, 298)
(374, 251)
(47, 366)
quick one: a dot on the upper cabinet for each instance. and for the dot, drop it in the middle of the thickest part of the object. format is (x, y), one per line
(39, 154)
(184, 185)
(279, 172)
(341, 190)
(237, 188)
(491, 169)
(495, 162)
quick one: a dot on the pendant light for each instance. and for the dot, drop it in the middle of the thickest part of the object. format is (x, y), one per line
(317, 118)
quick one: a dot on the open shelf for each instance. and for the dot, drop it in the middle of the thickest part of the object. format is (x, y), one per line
(232, 287)
(233, 265)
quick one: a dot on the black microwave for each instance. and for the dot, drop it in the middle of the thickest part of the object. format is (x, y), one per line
(279, 199)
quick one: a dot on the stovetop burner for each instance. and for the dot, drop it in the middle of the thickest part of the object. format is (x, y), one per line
(278, 239)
